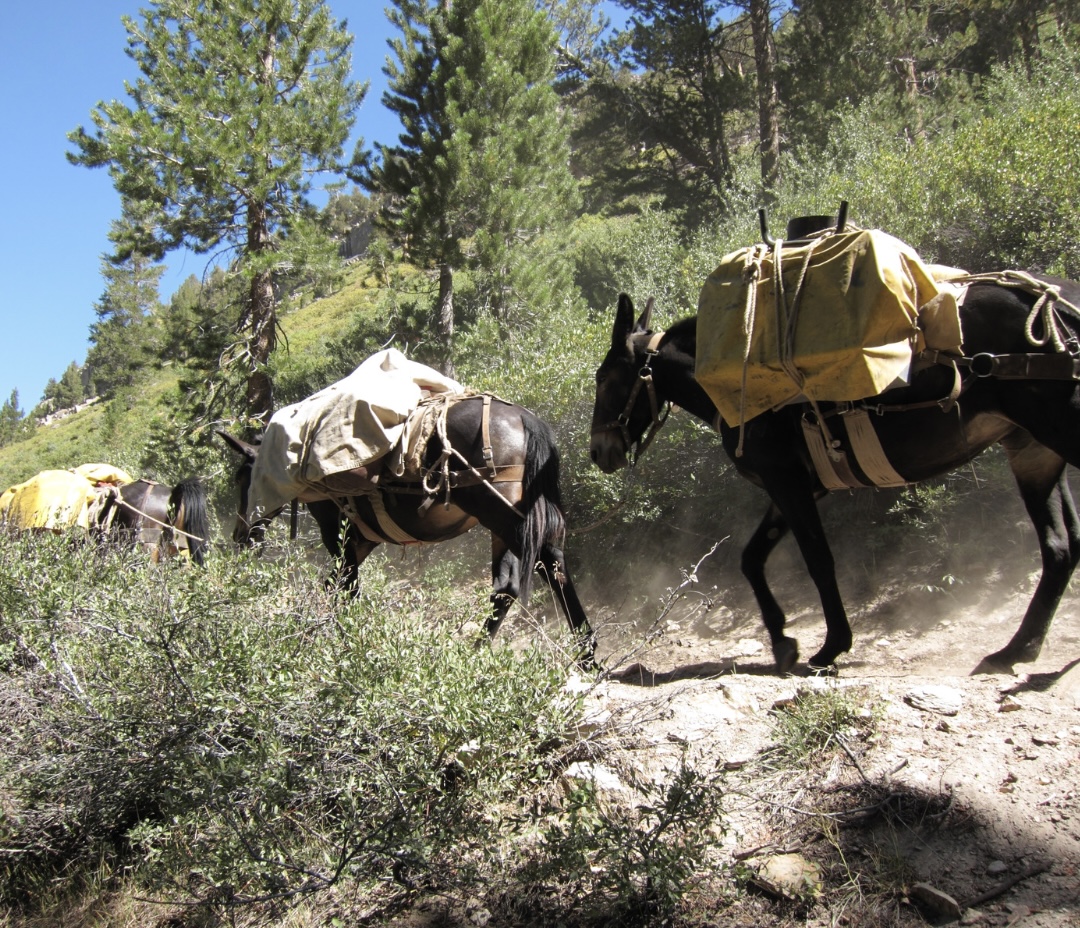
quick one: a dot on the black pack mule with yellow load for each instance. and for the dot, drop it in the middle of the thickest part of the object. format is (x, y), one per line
(801, 413)
(106, 504)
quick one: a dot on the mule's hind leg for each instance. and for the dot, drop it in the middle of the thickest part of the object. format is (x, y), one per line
(1040, 476)
(552, 567)
(505, 583)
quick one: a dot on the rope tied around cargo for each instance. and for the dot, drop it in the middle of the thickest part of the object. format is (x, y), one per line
(1047, 303)
(439, 479)
(787, 319)
(751, 274)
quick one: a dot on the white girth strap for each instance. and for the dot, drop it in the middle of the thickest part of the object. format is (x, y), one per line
(835, 472)
(390, 530)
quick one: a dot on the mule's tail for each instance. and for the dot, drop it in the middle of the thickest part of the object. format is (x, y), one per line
(541, 502)
(188, 513)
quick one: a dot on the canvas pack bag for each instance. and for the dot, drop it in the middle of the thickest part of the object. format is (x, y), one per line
(835, 318)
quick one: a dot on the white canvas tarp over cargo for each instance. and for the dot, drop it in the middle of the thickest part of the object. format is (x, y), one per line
(346, 425)
(841, 321)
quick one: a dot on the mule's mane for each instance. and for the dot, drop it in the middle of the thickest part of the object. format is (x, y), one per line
(684, 328)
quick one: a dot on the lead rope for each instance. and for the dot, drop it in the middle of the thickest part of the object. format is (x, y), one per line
(150, 518)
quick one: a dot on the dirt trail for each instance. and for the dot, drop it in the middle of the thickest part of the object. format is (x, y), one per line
(992, 762)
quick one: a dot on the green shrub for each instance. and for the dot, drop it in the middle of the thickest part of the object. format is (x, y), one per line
(241, 733)
(623, 865)
(820, 720)
(996, 189)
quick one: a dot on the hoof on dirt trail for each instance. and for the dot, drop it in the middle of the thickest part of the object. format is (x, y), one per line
(786, 654)
(997, 663)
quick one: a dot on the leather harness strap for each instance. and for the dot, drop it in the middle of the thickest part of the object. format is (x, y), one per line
(485, 431)
(1023, 366)
(445, 480)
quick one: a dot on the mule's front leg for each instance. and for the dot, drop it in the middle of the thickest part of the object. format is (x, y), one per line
(797, 505)
(773, 527)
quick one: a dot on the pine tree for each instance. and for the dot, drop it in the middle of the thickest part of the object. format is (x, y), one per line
(239, 102)
(66, 392)
(122, 340)
(680, 92)
(481, 168)
(13, 423)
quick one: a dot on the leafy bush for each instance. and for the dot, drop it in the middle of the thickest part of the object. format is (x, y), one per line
(996, 190)
(628, 866)
(242, 733)
(818, 720)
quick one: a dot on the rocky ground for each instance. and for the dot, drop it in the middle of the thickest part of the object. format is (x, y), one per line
(959, 803)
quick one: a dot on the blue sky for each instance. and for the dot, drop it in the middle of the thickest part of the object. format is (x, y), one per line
(55, 65)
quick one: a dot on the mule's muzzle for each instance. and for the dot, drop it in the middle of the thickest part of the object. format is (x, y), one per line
(608, 452)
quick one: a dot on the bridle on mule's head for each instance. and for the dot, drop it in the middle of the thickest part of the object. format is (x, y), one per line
(658, 411)
(246, 527)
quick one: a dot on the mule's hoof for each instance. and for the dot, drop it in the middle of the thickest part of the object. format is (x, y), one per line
(786, 654)
(998, 663)
(587, 663)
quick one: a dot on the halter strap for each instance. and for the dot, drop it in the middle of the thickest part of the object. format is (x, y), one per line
(644, 380)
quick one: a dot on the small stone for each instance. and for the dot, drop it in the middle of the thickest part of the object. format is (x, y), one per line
(936, 899)
(476, 913)
(599, 775)
(1044, 742)
(789, 875)
(940, 699)
(593, 722)
(744, 647)
(996, 867)
(1009, 704)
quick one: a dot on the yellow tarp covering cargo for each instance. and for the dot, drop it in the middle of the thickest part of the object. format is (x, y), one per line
(59, 499)
(840, 322)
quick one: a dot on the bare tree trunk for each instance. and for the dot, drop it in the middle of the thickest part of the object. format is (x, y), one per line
(260, 318)
(445, 320)
(767, 94)
(262, 324)
(911, 91)
(259, 321)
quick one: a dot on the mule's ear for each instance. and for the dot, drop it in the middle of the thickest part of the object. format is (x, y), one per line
(242, 448)
(624, 321)
(642, 325)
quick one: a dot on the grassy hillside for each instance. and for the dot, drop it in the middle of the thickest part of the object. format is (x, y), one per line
(120, 431)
